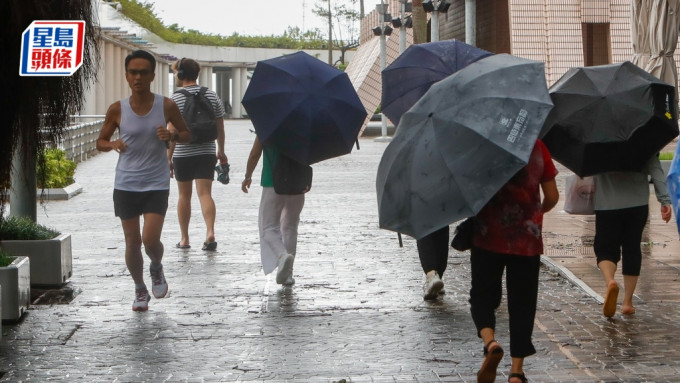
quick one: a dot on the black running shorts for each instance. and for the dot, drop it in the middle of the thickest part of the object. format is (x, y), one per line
(195, 167)
(128, 204)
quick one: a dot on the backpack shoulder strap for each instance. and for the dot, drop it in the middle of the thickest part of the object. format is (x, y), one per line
(184, 92)
(201, 92)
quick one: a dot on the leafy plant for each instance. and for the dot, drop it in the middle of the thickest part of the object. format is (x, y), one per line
(6, 258)
(56, 170)
(143, 13)
(666, 156)
(23, 228)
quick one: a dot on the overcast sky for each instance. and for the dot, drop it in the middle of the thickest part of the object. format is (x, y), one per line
(247, 17)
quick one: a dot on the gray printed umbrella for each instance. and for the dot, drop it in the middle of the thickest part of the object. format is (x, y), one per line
(460, 143)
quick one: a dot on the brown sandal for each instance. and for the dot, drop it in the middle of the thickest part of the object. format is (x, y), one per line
(487, 374)
(521, 376)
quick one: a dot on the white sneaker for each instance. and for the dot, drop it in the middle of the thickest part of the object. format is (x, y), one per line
(159, 286)
(433, 285)
(285, 269)
(142, 299)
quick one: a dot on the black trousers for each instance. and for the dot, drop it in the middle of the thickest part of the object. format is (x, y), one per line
(618, 234)
(521, 281)
(433, 250)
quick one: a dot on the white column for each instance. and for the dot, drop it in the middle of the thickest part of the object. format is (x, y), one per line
(118, 74)
(109, 75)
(244, 82)
(236, 92)
(165, 84)
(205, 77)
(100, 88)
(90, 98)
(125, 90)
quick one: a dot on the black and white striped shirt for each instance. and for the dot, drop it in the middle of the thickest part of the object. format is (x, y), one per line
(188, 150)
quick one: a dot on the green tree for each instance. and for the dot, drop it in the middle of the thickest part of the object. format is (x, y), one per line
(343, 23)
(36, 110)
(143, 14)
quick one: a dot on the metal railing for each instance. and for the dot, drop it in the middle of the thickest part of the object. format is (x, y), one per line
(80, 140)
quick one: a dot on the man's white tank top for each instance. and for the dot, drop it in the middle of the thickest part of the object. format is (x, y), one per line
(144, 164)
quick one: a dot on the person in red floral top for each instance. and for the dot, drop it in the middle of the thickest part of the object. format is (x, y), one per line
(507, 236)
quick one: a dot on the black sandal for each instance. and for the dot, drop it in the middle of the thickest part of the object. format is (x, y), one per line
(521, 376)
(487, 373)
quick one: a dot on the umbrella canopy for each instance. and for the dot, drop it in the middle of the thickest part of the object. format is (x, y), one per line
(460, 143)
(421, 65)
(304, 107)
(609, 118)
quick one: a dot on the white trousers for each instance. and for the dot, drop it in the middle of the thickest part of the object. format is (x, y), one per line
(278, 223)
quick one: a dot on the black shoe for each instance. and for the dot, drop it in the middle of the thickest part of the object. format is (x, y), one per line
(222, 173)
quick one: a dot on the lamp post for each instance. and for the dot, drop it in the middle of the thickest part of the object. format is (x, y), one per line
(402, 22)
(383, 30)
(435, 6)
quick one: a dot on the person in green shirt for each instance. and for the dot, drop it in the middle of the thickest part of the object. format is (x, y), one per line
(279, 217)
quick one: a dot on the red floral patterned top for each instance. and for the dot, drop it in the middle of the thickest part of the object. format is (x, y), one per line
(511, 222)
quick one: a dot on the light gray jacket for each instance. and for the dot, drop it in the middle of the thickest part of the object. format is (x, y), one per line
(620, 190)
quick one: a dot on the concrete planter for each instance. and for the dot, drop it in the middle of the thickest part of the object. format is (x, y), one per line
(15, 280)
(61, 194)
(51, 261)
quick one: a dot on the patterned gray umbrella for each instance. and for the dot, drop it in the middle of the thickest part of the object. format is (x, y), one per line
(460, 143)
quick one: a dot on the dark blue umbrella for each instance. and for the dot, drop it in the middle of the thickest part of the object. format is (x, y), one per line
(421, 65)
(304, 107)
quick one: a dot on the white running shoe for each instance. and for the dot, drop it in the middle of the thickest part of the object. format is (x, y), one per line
(159, 286)
(142, 299)
(285, 269)
(433, 285)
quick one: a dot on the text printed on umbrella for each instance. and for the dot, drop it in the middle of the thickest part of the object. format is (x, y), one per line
(519, 126)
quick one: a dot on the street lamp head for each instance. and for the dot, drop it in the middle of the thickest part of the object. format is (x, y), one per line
(428, 6)
(408, 23)
(381, 8)
(396, 22)
(387, 30)
(443, 6)
(377, 31)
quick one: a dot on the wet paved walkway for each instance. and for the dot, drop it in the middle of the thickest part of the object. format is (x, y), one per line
(355, 313)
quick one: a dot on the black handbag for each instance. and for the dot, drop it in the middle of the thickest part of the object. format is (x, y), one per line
(462, 237)
(291, 177)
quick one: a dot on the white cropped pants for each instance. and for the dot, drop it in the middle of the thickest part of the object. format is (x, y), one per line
(278, 223)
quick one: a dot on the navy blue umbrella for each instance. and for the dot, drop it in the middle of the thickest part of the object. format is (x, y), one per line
(304, 107)
(421, 65)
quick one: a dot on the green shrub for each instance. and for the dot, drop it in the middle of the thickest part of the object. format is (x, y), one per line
(5, 258)
(665, 156)
(57, 171)
(23, 228)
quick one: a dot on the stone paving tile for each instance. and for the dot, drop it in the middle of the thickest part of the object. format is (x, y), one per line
(355, 313)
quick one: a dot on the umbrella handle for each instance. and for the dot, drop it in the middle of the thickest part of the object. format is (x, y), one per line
(401, 244)
(358, 144)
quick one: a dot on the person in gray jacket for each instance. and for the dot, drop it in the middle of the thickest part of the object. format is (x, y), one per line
(621, 211)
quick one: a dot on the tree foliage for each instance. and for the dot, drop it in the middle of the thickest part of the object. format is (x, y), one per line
(293, 38)
(344, 20)
(36, 110)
